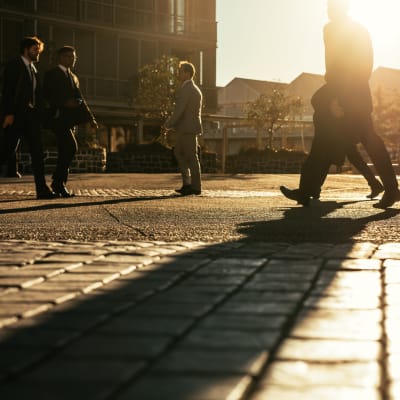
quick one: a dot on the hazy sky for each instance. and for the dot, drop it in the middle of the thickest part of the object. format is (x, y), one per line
(279, 39)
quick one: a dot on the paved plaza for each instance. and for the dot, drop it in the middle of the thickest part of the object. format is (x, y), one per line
(128, 291)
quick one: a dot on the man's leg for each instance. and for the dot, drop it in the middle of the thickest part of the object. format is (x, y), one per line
(358, 162)
(67, 147)
(179, 152)
(376, 150)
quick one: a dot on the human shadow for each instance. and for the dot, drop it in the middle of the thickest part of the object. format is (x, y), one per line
(180, 327)
(313, 224)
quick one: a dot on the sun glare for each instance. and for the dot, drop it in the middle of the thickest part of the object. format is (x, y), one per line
(380, 17)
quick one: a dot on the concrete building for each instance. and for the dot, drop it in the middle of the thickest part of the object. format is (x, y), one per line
(114, 39)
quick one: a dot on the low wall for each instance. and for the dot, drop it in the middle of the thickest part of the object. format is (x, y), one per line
(154, 163)
(97, 160)
(85, 160)
(260, 165)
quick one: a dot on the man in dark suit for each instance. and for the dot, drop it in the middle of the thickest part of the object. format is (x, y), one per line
(349, 62)
(186, 121)
(61, 90)
(22, 103)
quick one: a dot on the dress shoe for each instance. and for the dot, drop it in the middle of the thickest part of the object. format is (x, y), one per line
(388, 199)
(376, 189)
(295, 195)
(182, 189)
(62, 190)
(189, 191)
(46, 193)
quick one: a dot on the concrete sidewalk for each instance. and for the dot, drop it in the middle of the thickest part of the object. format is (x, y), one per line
(230, 319)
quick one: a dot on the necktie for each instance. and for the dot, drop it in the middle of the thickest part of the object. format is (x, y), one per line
(33, 82)
(71, 79)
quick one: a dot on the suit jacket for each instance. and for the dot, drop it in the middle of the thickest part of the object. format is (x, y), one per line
(186, 117)
(58, 89)
(349, 63)
(17, 88)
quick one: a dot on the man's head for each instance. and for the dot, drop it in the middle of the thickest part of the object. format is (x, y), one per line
(186, 71)
(338, 9)
(31, 47)
(67, 56)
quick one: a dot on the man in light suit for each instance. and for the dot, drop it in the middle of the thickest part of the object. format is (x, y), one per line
(22, 105)
(61, 89)
(186, 121)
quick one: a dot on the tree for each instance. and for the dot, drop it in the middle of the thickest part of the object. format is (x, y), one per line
(268, 112)
(387, 115)
(156, 84)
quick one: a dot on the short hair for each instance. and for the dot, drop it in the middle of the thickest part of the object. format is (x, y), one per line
(188, 67)
(64, 50)
(29, 41)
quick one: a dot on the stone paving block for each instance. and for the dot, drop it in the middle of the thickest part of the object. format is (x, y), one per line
(392, 274)
(192, 361)
(251, 308)
(219, 280)
(394, 391)
(354, 264)
(34, 296)
(218, 269)
(284, 276)
(300, 374)
(98, 267)
(18, 281)
(245, 296)
(223, 322)
(231, 339)
(186, 296)
(72, 258)
(299, 266)
(281, 286)
(393, 367)
(154, 308)
(133, 324)
(84, 371)
(23, 309)
(39, 336)
(352, 250)
(337, 324)
(47, 269)
(13, 360)
(184, 387)
(275, 392)
(57, 285)
(22, 389)
(392, 292)
(344, 301)
(319, 350)
(178, 263)
(133, 259)
(159, 275)
(119, 347)
(12, 257)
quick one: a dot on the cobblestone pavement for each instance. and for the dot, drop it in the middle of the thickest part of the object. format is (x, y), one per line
(192, 320)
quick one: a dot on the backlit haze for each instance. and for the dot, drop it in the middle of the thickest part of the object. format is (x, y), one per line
(279, 39)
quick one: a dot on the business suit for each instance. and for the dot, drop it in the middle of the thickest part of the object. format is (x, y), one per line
(23, 99)
(61, 86)
(186, 121)
(349, 62)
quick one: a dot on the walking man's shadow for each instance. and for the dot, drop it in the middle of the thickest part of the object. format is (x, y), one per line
(311, 224)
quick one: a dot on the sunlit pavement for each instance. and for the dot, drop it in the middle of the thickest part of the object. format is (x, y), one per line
(235, 319)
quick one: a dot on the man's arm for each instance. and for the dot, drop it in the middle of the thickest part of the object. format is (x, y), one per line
(180, 106)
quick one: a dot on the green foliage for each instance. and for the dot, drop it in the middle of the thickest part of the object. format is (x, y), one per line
(155, 88)
(269, 111)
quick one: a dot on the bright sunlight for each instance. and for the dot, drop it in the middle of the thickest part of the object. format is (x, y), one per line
(381, 18)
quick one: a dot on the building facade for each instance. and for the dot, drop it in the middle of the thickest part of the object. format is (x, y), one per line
(114, 39)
